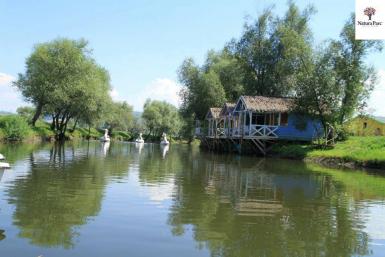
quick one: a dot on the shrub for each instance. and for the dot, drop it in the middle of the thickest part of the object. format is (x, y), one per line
(121, 135)
(43, 130)
(14, 127)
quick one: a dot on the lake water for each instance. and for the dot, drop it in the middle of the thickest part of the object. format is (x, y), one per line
(88, 199)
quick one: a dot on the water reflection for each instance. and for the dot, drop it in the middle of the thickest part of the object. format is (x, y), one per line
(139, 147)
(1, 173)
(264, 208)
(164, 149)
(2, 234)
(105, 147)
(63, 189)
(226, 205)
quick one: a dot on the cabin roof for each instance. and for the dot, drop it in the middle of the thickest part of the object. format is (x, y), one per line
(214, 113)
(227, 108)
(268, 104)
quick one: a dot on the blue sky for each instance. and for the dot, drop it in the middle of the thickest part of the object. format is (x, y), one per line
(142, 43)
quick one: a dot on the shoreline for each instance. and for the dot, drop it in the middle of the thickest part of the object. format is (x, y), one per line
(337, 162)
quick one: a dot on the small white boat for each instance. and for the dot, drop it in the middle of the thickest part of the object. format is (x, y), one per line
(106, 137)
(2, 157)
(164, 140)
(139, 140)
(4, 165)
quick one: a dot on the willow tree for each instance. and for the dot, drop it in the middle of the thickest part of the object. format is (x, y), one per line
(63, 79)
(159, 117)
(270, 50)
(353, 74)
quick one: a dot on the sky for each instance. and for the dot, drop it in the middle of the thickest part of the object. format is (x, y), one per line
(142, 43)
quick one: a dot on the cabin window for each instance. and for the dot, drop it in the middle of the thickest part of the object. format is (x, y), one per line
(284, 119)
(272, 119)
(247, 118)
(258, 119)
(365, 125)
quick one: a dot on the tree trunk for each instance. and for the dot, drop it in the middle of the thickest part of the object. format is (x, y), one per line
(39, 109)
(74, 127)
(53, 123)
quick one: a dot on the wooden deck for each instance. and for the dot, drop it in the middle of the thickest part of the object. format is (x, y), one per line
(258, 137)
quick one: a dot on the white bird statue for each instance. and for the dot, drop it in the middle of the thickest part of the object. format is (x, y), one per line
(139, 139)
(106, 137)
(4, 165)
(2, 157)
(164, 139)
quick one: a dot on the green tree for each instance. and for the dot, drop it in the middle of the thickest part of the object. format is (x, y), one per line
(26, 112)
(318, 92)
(353, 75)
(270, 49)
(200, 90)
(14, 127)
(160, 117)
(63, 80)
(119, 116)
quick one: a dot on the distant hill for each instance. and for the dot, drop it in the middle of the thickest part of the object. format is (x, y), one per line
(5, 113)
(380, 118)
(137, 114)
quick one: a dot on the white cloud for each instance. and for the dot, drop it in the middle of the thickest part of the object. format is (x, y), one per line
(163, 89)
(114, 94)
(5, 79)
(377, 98)
(10, 99)
(161, 192)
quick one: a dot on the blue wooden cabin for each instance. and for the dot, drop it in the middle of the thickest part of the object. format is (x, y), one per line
(259, 117)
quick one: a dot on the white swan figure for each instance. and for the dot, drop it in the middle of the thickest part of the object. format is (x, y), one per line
(4, 165)
(139, 139)
(106, 137)
(164, 140)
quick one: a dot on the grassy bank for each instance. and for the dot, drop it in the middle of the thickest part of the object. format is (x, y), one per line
(355, 152)
(16, 128)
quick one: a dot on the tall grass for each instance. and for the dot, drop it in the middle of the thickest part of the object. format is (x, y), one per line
(362, 149)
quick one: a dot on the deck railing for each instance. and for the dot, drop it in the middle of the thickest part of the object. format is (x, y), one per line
(248, 131)
(263, 131)
(256, 131)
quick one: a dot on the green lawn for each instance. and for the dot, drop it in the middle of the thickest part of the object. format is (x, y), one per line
(360, 149)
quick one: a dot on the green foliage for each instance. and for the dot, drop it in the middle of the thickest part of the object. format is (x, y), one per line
(353, 75)
(160, 117)
(337, 83)
(201, 90)
(62, 80)
(121, 135)
(361, 150)
(43, 130)
(270, 49)
(14, 127)
(118, 116)
(26, 112)
(276, 56)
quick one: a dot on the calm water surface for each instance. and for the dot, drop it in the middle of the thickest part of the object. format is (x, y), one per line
(88, 199)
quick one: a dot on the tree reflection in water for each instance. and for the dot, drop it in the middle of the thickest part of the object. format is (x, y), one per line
(232, 206)
(63, 189)
(252, 207)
